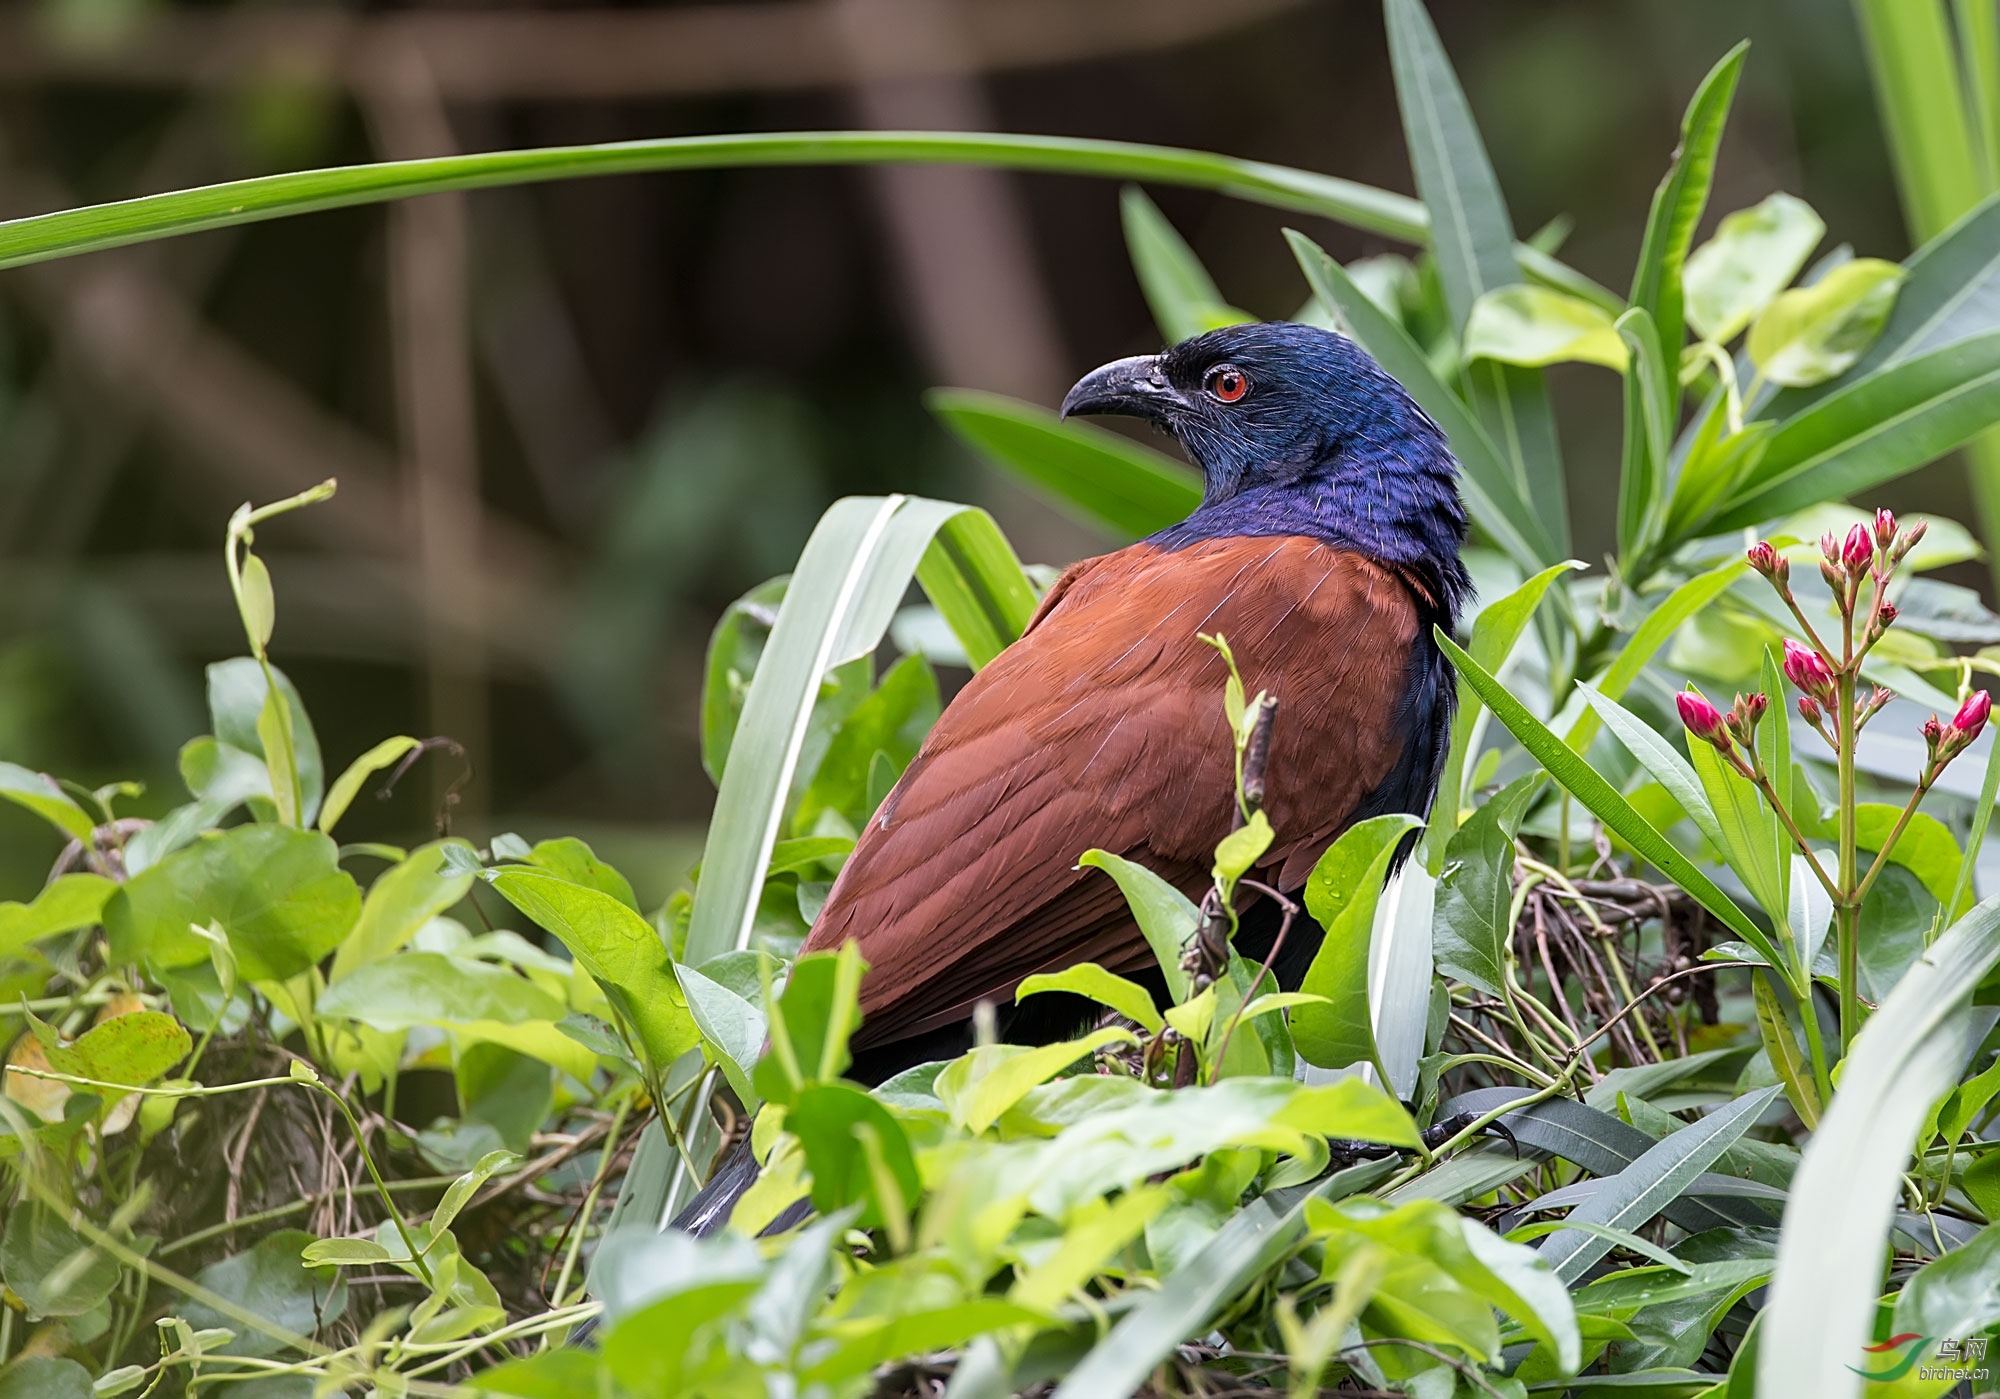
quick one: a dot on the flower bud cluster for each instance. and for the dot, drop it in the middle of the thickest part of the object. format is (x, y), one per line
(1947, 741)
(1726, 731)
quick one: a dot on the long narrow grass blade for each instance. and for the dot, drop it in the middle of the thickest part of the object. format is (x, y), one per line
(1184, 299)
(1909, 1054)
(1923, 107)
(93, 227)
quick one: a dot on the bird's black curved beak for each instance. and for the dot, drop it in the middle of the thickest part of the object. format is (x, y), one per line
(1137, 386)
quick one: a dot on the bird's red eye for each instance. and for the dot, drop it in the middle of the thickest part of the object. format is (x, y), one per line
(1227, 383)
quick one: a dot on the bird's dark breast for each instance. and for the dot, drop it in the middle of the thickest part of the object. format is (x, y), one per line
(1103, 727)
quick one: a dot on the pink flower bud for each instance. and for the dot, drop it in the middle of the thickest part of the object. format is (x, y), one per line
(1971, 716)
(1703, 719)
(1888, 614)
(1829, 547)
(1885, 528)
(1753, 706)
(1763, 557)
(1810, 711)
(1859, 550)
(1805, 668)
(1933, 732)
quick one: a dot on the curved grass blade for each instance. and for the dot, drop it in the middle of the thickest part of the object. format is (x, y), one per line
(1909, 1054)
(1110, 480)
(1472, 239)
(1651, 400)
(1184, 299)
(1603, 800)
(97, 226)
(1677, 208)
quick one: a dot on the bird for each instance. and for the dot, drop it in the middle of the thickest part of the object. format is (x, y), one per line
(1325, 549)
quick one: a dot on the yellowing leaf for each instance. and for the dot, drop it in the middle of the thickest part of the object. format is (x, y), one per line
(1532, 325)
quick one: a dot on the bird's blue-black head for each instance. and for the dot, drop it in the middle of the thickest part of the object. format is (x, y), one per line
(1297, 431)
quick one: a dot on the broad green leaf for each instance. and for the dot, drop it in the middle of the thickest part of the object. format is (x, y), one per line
(891, 722)
(1925, 848)
(1110, 480)
(1956, 1295)
(1472, 242)
(479, 1002)
(621, 950)
(347, 786)
(1650, 1183)
(1128, 998)
(1236, 852)
(266, 1279)
(73, 901)
(1657, 283)
(1086, 1248)
(1822, 1302)
(1753, 256)
(1602, 799)
(460, 1192)
(51, 1377)
(832, 1122)
(1493, 495)
(811, 1023)
(978, 1087)
(1183, 297)
(40, 794)
(278, 892)
(1651, 400)
(237, 695)
(1649, 636)
(1165, 917)
(402, 899)
(52, 1268)
(1811, 334)
(341, 1253)
(733, 1027)
(257, 602)
(1528, 325)
(1475, 892)
(849, 582)
(1660, 759)
(130, 1049)
(1341, 894)
(1872, 430)
(578, 863)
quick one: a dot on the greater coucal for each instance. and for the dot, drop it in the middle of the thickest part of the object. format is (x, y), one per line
(1325, 547)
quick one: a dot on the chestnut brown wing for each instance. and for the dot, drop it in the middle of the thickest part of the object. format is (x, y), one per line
(1103, 727)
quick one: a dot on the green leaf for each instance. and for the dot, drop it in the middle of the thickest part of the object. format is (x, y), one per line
(1822, 1303)
(811, 1023)
(1108, 480)
(849, 582)
(1472, 242)
(1872, 430)
(257, 602)
(347, 786)
(733, 1027)
(52, 1268)
(402, 899)
(829, 1120)
(1781, 1047)
(1811, 334)
(1183, 297)
(978, 1087)
(734, 648)
(1956, 1295)
(130, 1049)
(1128, 998)
(1657, 283)
(891, 723)
(73, 901)
(237, 695)
(1651, 401)
(1602, 799)
(973, 578)
(430, 988)
(1918, 88)
(274, 736)
(1236, 852)
(578, 863)
(619, 949)
(267, 1280)
(1749, 829)
(1753, 256)
(1341, 894)
(1475, 892)
(40, 794)
(1164, 914)
(47, 1377)
(460, 1192)
(1526, 325)
(341, 1253)
(1650, 1183)
(279, 893)
(1493, 495)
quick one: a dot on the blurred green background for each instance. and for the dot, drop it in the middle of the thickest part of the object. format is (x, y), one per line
(572, 422)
